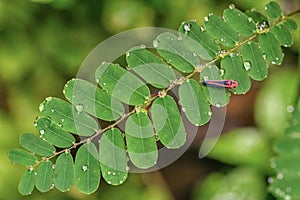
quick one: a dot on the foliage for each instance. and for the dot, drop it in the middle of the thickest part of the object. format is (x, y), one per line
(220, 41)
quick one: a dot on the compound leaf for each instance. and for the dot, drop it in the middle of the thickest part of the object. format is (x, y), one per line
(26, 184)
(93, 100)
(87, 168)
(52, 133)
(44, 177)
(64, 172)
(21, 157)
(112, 154)
(194, 103)
(122, 84)
(34, 144)
(141, 143)
(167, 122)
(151, 68)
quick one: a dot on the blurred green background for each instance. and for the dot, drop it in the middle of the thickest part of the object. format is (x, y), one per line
(42, 44)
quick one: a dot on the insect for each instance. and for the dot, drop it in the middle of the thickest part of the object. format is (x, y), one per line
(230, 84)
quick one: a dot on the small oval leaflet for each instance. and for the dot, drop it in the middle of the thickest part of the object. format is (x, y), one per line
(141, 143)
(252, 53)
(273, 10)
(52, 133)
(91, 99)
(175, 52)
(220, 30)
(151, 68)
(218, 97)
(21, 157)
(193, 99)
(26, 184)
(283, 35)
(63, 176)
(233, 66)
(271, 47)
(167, 122)
(199, 40)
(68, 118)
(112, 155)
(122, 84)
(35, 144)
(44, 177)
(87, 168)
(239, 21)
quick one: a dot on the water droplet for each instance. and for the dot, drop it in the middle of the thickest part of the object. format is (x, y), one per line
(127, 53)
(287, 197)
(52, 110)
(187, 27)
(209, 113)
(205, 78)
(52, 186)
(247, 65)
(222, 39)
(196, 124)
(42, 131)
(97, 80)
(210, 14)
(121, 182)
(183, 109)
(113, 173)
(222, 72)
(265, 56)
(273, 62)
(270, 180)
(109, 172)
(53, 166)
(127, 168)
(266, 8)
(218, 105)
(206, 19)
(250, 19)
(155, 43)
(35, 124)
(104, 84)
(84, 168)
(41, 107)
(202, 28)
(142, 46)
(280, 176)
(290, 108)
(231, 6)
(109, 182)
(62, 120)
(79, 107)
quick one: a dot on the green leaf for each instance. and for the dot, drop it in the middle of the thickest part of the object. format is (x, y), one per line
(21, 157)
(175, 52)
(34, 144)
(233, 69)
(141, 143)
(239, 22)
(271, 47)
(290, 24)
(122, 84)
(218, 97)
(68, 117)
(258, 18)
(52, 133)
(286, 165)
(285, 187)
(93, 100)
(287, 146)
(194, 103)
(152, 69)
(167, 122)
(220, 30)
(283, 35)
(273, 10)
(44, 177)
(64, 172)
(112, 154)
(254, 62)
(198, 40)
(87, 168)
(26, 184)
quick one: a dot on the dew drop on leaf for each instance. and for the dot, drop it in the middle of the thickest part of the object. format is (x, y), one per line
(79, 107)
(183, 109)
(121, 181)
(42, 131)
(231, 6)
(142, 46)
(84, 168)
(109, 172)
(222, 72)
(247, 65)
(97, 80)
(155, 43)
(42, 107)
(290, 108)
(187, 27)
(206, 19)
(270, 180)
(218, 105)
(52, 110)
(59, 124)
(127, 54)
(109, 182)
(279, 176)
(209, 113)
